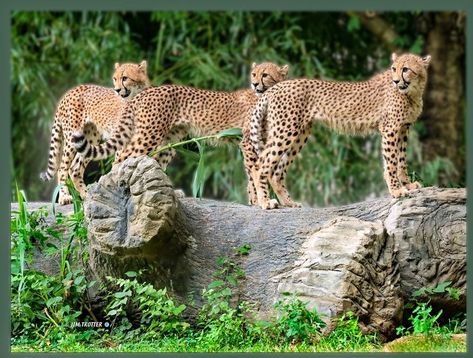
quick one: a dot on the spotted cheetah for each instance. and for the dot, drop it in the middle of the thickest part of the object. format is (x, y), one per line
(95, 110)
(167, 113)
(389, 102)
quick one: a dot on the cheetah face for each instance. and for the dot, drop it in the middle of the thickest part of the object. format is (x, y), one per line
(130, 78)
(409, 72)
(266, 75)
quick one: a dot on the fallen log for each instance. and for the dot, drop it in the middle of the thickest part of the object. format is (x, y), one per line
(367, 257)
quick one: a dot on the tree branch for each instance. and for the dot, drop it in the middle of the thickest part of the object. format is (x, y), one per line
(379, 27)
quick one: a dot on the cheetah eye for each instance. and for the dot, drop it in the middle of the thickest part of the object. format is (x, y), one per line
(405, 69)
(253, 74)
(124, 78)
(114, 79)
(393, 68)
(264, 75)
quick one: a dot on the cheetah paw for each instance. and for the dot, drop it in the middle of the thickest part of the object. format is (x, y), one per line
(64, 199)
(271, 204)
(292, 204)
(397, 193)
(413, 186)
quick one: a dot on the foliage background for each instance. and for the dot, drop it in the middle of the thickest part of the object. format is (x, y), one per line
(54, 51)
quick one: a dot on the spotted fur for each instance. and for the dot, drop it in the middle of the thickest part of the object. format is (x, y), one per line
(389, 102)
(94, 110)
(167, 113)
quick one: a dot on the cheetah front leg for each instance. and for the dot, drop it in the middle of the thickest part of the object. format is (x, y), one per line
(278, 179)
(402, 172)
(390, 149)
(267, 167)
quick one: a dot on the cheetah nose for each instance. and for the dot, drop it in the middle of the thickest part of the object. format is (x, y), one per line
(396, 81)
(117, 90)
(255, 84)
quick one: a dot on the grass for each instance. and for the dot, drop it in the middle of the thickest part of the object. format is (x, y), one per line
(183, 345)
(417, 343)
(428, 343)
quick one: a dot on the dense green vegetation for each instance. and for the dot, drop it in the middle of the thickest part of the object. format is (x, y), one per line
(135, 316)
(53, 51)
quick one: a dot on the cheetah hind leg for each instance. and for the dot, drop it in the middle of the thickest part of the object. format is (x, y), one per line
(277, 183)
(68, 155)
(76, 173)
(176, 134)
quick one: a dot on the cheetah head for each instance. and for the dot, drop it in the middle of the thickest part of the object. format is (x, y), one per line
(130, 78)
(265, 75)
(409, 72)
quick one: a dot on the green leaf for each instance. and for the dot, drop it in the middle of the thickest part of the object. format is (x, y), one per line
(230, 132)
(441, 287)
(53, 301)
(226, 292)
(199, 175)
(353, 23)
(178, 310)
(217, 283)
(122, 294)
(232, 280)
(131, 274)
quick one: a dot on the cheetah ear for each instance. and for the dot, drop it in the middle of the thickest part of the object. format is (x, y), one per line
(426, 60)
(393, 56)
(143, 65)
(283, 70)
(117, 65)
(253, 65)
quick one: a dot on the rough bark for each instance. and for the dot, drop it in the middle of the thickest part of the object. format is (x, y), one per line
(368, 257)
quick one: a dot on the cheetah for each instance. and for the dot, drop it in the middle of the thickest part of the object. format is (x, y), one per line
(95, 110)
(164, 114)
(389, 102)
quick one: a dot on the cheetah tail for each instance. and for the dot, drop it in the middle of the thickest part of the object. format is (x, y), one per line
(256, 124)
(121, 135)
(55, 151)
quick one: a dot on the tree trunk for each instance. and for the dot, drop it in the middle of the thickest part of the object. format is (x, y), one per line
(444, 100)
(368, 257)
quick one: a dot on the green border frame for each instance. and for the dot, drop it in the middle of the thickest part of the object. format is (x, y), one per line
(197, 5)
